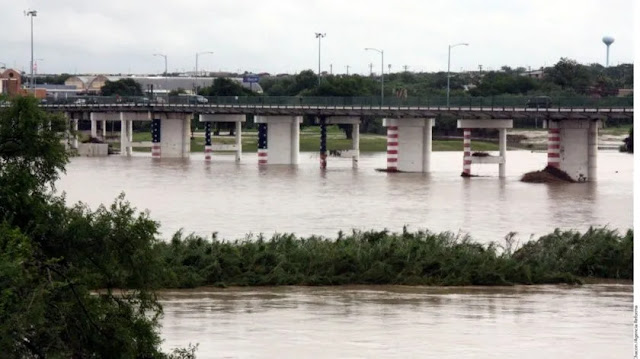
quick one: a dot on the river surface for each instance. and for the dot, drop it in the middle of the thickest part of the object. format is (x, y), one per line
(237, 199)
(591, 321)
(550, 322)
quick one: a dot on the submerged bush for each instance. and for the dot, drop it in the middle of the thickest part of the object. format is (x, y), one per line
(381, 257)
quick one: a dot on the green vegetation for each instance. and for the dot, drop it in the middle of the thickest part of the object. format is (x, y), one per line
(380, 257)
(122, 87)
(52, 256)
(628, 142)
(310, 142)
(225, 87)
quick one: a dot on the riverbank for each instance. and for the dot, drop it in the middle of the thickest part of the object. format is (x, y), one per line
(407, 258)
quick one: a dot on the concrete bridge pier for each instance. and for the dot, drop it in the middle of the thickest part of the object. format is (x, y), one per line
(354, 152)
(94, 125)
(209, 147)
(74, 140)
(283, 137)
(468, 158)
(573, 147)
(126, 135)
(173, 132)
(409, 144)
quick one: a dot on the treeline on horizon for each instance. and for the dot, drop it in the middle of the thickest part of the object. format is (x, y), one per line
(565, 78)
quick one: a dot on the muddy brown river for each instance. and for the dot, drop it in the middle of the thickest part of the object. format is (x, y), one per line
(590, 321)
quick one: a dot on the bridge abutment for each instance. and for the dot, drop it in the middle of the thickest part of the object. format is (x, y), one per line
(573, 148)
(283, 138)
(409, 144)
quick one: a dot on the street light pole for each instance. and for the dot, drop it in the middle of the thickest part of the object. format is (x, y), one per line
(381, 52)
(449, 66)
(319, 36)
(198, 54)
(165, 62)
(31, 13)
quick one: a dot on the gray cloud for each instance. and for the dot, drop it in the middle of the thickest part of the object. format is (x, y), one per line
(278, 36)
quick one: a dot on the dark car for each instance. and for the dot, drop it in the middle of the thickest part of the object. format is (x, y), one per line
(539, 102)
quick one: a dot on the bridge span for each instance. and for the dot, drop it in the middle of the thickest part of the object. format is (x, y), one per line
(572, 145)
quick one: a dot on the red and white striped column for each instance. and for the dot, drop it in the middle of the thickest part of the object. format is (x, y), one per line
(466, 158)
(553, 148)
(392, 149)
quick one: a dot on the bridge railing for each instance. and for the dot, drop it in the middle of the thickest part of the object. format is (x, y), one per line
(361, 101)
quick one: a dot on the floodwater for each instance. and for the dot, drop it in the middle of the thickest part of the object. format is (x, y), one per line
(551, 322)
(238, 199)
(591, 321)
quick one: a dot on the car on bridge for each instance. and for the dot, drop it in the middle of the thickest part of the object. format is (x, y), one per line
(539, 102)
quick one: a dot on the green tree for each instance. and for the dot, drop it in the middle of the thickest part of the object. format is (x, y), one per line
(177, 91)
(568, 73)
(122, 87)
(53, 257)
(225, 87)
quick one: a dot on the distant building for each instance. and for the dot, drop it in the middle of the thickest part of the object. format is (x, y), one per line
(89, 84)
(161, 84)
(536, 74)
(10, 82)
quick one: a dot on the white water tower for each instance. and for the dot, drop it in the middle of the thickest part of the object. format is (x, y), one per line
(608, 40)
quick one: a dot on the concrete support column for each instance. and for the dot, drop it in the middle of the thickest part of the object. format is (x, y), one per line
(129, 137)
(156, 145)
(262, 144)
(466, 159)
(323, 143)
(104, 130)
(355, 134)
(75, 133)
(503, 152)
(392, 148)
(123, 135)
(94, 126)
(428, 145)
(238, 141)
(207, 141)
(553, 147)
(295, 140)
(592, 171)
(186, 136)
(283, 136)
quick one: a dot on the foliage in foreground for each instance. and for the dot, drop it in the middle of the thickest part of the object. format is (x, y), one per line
(52, 256)
(381, 257)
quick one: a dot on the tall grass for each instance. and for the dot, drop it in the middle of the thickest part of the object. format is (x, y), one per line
(381, 257)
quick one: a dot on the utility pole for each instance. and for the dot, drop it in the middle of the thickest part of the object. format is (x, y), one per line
(348, 70)
(319, 36)
(371, 69)
(405, 67)
(389, 68)
(330, 69)
(31, 13)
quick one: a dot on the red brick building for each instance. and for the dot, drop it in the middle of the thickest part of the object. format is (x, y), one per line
(10, 82)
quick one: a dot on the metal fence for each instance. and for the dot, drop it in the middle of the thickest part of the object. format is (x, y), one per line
(495, 101)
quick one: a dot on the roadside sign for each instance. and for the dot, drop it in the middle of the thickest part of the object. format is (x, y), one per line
(252, 79)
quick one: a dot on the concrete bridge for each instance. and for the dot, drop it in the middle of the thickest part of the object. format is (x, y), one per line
(572, 145)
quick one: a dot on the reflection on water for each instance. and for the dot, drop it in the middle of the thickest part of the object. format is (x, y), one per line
(235, 199)
(402, 322)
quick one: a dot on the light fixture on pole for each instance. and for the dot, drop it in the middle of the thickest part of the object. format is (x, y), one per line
(608, 40)
(449, 66)
(4, 66)
(165, 62)
(31, 13)
(381, 52)
(198, 54)
(319, 36)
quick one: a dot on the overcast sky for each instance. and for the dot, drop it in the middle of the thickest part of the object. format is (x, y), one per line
(91, 36)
